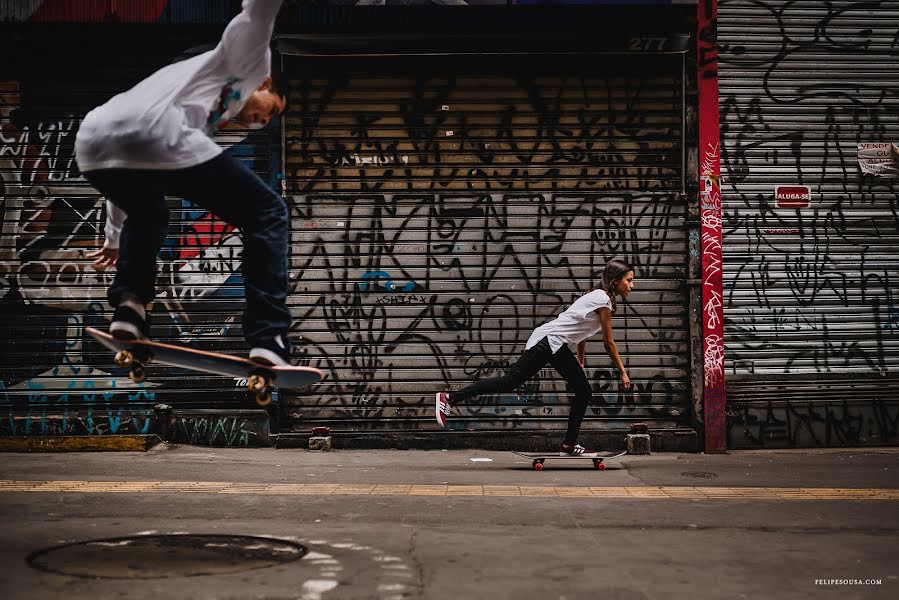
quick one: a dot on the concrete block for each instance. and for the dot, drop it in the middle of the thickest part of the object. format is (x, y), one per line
(322, 443)
(638, 443)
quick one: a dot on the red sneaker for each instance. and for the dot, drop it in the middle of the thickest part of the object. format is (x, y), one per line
(442, 408)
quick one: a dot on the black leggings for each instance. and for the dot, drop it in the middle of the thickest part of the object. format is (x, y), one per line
(530, 363)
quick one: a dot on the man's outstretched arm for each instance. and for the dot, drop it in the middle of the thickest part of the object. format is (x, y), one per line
(245, 43)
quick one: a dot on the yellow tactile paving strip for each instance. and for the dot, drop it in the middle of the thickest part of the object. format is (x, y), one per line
(335, 489)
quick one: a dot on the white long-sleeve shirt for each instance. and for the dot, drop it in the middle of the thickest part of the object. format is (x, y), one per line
(167, 121)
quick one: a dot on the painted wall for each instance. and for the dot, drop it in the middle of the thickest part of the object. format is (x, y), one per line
(104, 11)
(420, 259)
(220, 11)
(439, 218)
(55, 380)
(811, 274)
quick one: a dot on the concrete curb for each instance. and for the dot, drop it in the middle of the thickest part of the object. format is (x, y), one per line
(78, 443)
(665, 440)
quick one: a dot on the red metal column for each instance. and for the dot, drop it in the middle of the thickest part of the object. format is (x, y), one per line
(710, 212)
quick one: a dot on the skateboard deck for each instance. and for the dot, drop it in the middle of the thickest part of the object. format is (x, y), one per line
(538, 458)
(261, 379)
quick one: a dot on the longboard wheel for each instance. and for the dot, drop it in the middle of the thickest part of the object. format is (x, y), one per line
(124, 358)
(264, 398)
(538, 465)
(137, 374)
(599, 465)
(257, 384)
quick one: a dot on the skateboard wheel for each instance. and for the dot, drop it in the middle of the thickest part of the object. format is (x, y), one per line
(263, 399)
(257, 384)
(538, 465)
(137, 374)
(124, 358)
(599, 465)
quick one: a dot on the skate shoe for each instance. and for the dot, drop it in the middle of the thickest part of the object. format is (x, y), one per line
(272, 352)
(442, 408)
(128, 325)
(575, 450)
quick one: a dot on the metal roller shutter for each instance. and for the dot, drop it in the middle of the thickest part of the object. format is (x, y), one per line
(439, 217)
(54, 379)
(811, 324)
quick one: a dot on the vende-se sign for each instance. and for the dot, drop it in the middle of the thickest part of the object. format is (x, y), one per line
(792, 196)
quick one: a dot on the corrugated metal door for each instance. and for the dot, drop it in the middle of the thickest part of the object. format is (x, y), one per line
(54, 380)
(439, 217)
(812, 333)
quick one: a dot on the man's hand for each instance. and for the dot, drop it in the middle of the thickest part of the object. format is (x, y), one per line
(625, 381)
(581, 361)
(105, 258)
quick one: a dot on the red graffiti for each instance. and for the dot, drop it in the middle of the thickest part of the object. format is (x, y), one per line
(200, 234)
(98, 11)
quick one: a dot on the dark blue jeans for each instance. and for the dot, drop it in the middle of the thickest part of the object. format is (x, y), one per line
(231, 191)
(529, 364)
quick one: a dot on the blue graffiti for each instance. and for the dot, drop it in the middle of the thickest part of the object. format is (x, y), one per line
(99, 407)
(389, 285)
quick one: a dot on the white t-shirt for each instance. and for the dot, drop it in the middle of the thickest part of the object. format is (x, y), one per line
(167, 121)
(579, 322)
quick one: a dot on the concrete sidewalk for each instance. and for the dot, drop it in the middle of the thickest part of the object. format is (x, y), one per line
(436, 524)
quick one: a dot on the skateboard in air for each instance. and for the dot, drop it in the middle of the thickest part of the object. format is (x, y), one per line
(135, 355)
(538, 458)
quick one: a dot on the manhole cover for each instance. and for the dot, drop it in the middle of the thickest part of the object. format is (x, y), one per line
(160, 556)
(700, 474)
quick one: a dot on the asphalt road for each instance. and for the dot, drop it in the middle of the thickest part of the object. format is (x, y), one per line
(406, 524)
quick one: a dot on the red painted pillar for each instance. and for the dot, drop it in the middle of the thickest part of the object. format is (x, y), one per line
(710, 215)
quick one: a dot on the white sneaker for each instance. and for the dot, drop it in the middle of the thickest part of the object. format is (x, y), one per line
(129, 324)
(271, 353)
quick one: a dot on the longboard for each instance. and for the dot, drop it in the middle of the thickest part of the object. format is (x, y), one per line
(538, 458)
(135, 355)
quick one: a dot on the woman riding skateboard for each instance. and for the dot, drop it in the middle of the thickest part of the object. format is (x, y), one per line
(156, 140)
(588, 315)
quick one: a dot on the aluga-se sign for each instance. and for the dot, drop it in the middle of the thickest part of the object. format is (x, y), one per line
(792, 196)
